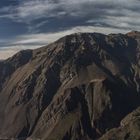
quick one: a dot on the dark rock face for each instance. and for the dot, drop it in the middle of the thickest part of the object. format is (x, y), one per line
(78, 88)
(129, 128)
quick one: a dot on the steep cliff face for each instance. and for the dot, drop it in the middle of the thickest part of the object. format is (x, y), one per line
(77, 88)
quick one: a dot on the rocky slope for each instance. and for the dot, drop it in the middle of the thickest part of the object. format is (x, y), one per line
(81, 87)
(129, 128)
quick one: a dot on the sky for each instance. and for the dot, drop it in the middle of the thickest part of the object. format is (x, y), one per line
(28, 24)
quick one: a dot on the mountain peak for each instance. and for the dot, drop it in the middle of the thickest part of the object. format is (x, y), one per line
(134, 34)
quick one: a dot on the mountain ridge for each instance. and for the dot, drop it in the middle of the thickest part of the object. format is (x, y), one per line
(76, 88)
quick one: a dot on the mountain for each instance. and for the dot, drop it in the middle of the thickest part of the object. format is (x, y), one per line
(85, 86)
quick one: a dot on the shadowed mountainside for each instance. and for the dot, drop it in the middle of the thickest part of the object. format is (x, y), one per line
(81, 87)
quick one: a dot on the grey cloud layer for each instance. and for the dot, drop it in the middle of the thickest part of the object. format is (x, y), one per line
(113, 13)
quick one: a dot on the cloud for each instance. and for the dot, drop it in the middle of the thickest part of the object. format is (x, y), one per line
(4, 54)
(101, 12)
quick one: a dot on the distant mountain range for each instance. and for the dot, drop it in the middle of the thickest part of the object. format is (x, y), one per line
(84, 86)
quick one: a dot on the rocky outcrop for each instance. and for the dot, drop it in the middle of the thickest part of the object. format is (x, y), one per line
(128, 130)
(77, 88)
